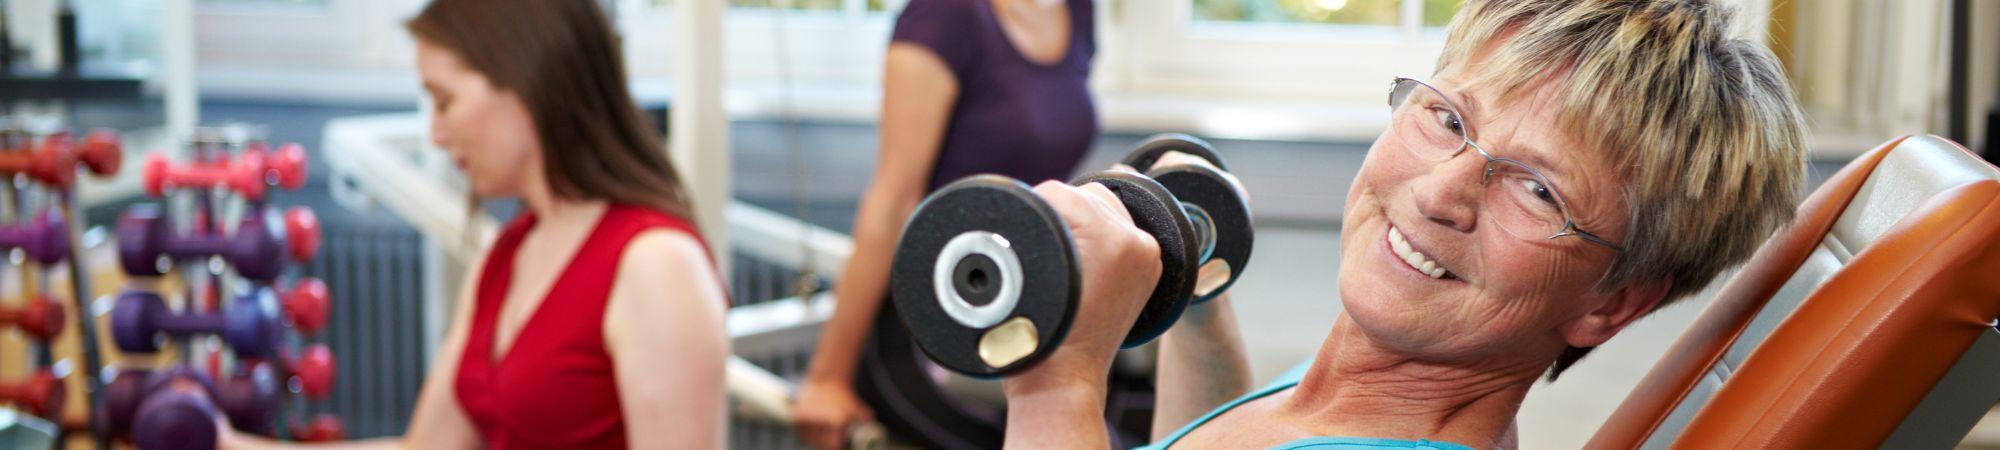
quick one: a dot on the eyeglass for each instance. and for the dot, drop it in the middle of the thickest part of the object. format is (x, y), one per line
(1516, 197)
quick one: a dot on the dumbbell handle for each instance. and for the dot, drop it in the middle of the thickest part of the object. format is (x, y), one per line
(185, 324)
(41, 318)
(185, 246)
(1204, 232)
(45, 238)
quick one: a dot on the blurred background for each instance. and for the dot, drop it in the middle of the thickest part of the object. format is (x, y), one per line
(770, 107)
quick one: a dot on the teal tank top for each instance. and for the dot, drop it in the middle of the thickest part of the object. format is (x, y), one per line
(1286, 381)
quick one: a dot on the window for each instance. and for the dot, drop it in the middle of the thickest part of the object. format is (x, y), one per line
(1430, 13)
(802, 5)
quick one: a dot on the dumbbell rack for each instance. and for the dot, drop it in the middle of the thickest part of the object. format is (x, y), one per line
(225, 183)
(40, 171)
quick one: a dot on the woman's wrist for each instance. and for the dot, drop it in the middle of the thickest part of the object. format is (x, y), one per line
(1068, 415)
(831, 364)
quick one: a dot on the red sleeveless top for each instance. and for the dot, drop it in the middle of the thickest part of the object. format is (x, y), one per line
(555, 387)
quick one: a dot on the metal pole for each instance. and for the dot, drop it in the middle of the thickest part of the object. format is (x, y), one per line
(1957, 97)
(698, 140)
(79, 282)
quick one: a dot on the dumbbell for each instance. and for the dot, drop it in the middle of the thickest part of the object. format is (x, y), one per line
(985, 275)
(40, 318)
(1210, 201)
(250, 398)
(244, 176)
(257, 249)
(314, 367)
(44, 238)
(284, 167)
(322, 428)
(101, 152)
(306, 305)
(246, 324)
(54, 162)
(248, 175)
(40, 394)
(169, 409)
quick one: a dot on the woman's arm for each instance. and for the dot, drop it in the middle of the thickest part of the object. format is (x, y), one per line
(1059, 402)
(664, 330)
(438, 422)
(918, 92)
(1202, 366)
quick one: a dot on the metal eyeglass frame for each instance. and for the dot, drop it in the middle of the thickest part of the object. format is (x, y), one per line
(1569, 227)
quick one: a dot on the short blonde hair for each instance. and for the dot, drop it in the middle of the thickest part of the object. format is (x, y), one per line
(1702, 125)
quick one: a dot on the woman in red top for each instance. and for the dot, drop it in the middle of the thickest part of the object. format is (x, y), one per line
(596, 319)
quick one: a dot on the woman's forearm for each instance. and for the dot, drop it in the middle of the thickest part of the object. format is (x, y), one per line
(1202, 366)
(859, 291)
(239, 441)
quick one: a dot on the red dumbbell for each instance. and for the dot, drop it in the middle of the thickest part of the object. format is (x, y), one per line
(286, 167)
(41, 318)
(314, 370)
(301, 233)
(245, 176)
(54, 161)
(306, 305)
(41, 394)
(322, 428)
(101, 152)
(43, 163)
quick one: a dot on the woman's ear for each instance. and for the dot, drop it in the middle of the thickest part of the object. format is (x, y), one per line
(1618, 309)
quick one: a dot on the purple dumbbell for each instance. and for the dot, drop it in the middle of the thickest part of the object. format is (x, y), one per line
(246, 399)
(257, 250)
(250, 398)
(245, 324)
(178, 412)
(44, 238)
(131, 389)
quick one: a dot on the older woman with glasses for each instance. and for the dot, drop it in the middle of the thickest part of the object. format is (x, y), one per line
(1572, 166)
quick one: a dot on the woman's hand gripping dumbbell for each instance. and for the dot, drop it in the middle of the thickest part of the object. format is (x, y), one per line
(990, 275)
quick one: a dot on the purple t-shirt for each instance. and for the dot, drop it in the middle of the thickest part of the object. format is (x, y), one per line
(1013, 117)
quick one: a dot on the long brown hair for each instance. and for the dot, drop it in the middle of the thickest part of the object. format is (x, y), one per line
(561, 58)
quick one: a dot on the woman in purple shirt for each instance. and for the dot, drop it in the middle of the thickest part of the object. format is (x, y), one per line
(968, 87)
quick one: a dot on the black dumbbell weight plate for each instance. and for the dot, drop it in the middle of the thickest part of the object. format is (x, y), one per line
(985, 277)
(1155, 211)
(1148, 152)
(1211, 198)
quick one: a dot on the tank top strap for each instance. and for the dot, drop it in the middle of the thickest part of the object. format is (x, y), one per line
(621, 224)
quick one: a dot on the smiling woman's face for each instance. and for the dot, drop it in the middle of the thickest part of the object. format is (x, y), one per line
(1501, 292)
